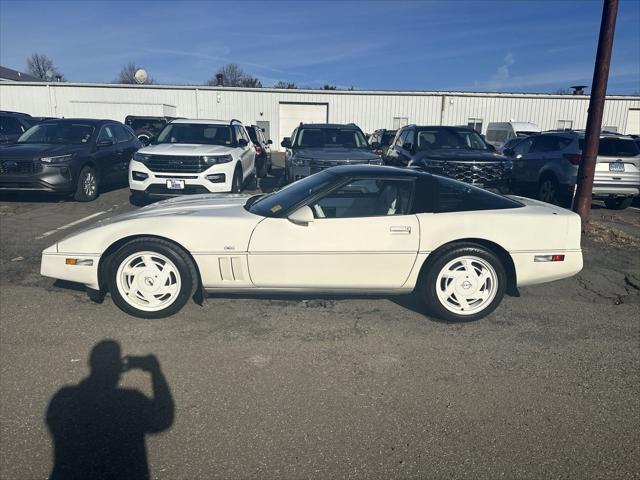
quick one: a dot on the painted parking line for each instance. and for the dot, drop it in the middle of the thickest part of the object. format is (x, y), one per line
(634, 208)
(69, 225)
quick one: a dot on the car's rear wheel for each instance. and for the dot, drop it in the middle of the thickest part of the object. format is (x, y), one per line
(87, 186)
(151, 278)
(618, 203)
(464, 283)
(236, 183)
(549, 191)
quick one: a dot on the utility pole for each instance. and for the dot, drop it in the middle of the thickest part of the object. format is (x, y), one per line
(586, 170)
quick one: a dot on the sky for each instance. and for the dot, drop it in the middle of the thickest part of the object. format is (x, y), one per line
(512, 46)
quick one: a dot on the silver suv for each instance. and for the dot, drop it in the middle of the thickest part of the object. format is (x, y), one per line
(546, 166)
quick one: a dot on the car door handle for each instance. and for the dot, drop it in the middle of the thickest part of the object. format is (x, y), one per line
(404, 229)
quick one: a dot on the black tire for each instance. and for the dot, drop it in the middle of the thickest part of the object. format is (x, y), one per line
(618, 203)
(236, 182)
(261, 167)
(181, 260)
(87, 185)
(549, 191)
(252, 182)
(270, 166)
(139, 199)
(428, 284)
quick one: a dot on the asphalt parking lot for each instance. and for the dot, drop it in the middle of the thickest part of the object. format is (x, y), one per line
(299, 387)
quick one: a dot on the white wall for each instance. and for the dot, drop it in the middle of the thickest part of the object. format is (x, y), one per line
(369, 110)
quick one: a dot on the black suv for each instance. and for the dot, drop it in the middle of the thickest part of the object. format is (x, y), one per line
(14, 124)
(146, 128)
(455, 152)
(263, 150)
(73, 156)
(313, 147)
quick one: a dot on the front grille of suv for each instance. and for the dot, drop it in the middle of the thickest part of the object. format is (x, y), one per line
(176, 164)
(19, 167)
(480, 173)
(319, 165)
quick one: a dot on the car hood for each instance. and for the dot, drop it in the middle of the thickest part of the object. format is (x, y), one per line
(337, 154)
(30, 151)
(186, 149)
(200, 223)
(450, 155)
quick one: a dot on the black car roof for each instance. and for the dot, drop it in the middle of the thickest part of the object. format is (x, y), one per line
(374, 171)
(330, 125)
(93, 121)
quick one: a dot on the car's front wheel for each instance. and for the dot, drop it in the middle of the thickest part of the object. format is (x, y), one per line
(464, 283)
(618, 203)
(151, 278)
(236, 182)
(87, 186)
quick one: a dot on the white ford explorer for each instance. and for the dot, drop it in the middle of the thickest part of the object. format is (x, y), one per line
(193, 156)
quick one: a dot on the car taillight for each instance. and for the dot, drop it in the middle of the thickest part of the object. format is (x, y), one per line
(574, 158)
(258, 148)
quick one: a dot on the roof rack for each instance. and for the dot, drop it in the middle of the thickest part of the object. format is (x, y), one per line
(235, 120)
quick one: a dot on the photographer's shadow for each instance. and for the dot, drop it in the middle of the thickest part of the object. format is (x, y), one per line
(98, 428)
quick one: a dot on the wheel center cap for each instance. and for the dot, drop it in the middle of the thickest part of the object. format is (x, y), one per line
(148, 281)
(466, 285)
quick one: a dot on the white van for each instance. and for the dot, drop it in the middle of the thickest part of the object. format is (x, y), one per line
(499, 133)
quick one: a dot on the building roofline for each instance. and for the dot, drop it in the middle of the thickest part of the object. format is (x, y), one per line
(434, 93)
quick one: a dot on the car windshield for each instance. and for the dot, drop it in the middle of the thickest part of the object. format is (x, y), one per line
(388, 137)
(273, 204)
(59, 133)
(196, 133)
(330, 137)
(252, 135)
(450, 139)
(615, 147)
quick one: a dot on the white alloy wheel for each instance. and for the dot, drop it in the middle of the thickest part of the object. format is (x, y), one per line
(466, 285)
(148, 281)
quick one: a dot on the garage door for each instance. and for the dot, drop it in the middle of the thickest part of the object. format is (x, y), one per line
(291, 114)
(633, 121)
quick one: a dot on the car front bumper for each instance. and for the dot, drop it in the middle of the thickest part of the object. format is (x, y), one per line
(47, 178)
(57, 265)
(216, 179)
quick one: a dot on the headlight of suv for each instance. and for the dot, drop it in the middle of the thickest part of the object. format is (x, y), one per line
(216, 159)
(299, 161)
(141, 157)
(57, 159)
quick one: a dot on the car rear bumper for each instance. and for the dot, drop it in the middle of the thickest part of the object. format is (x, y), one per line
(531, 272)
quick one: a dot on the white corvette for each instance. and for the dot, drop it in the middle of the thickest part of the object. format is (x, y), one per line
(363, 229)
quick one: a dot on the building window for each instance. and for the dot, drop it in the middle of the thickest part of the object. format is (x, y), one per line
(565, 124)
(399, 122)
(610, 129)
(476, 124)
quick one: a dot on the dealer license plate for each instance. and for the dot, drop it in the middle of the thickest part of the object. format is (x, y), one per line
(616, 167)
(175, 184)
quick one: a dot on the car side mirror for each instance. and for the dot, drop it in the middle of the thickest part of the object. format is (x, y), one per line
(270, 142)
(302, 216)
(491, 147)
(376, 145)
(105, 143)
(242, 143)
(407, 145)
(286, 142)
(508, 152)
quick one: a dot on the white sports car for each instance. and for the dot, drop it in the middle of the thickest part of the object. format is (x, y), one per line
(351, 229)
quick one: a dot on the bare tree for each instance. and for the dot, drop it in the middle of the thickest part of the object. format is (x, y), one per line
(234, 76)
(288, 85)
(128, 75)
(329, 87)
(42, 67)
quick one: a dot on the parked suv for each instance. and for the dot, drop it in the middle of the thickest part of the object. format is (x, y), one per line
(146, 128)
(193, 156)
(263, 150)
(455, 152)
(74, 156)
(14, 124)
(381, 139)
(313, 147)
(546, 166)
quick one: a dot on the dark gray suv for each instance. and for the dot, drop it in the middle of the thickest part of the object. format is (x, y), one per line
(545, 166)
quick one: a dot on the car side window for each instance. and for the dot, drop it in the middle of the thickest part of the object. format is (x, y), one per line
(545, 143)
(121, 134)
(400, 138)
(454, 196)
(409, 138)
(366, 197)
(106, 134)
(11, 126)
(523, 147)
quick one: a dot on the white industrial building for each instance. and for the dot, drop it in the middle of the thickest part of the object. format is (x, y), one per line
(279, 111)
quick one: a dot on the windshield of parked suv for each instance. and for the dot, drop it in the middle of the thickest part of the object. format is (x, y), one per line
(330, 137)
(196, 133)
(449, 138)
(615, 147)
(273, 204)
(387, 137)
(59, 133)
